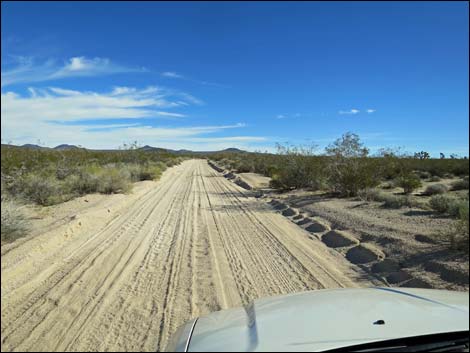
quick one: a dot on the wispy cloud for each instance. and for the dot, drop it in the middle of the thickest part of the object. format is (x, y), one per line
(370, 111)
(27, 70)
(171, 74)
(175, 75)
(288, 116)
(350, 111)
(56, 115)
(68, 105)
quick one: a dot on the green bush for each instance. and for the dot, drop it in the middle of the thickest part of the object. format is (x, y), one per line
(13, 221)
(349, 167)
(436, 189)
(371, 194)
(449, 205)
(423, 174)
(397, 201)
(441, 203)
(42, 190)
(435, 178)
(114, 180)
(409, 182)
(461, 184)
(387, 186)
(84, 183)
(460, 237)
(297, 167)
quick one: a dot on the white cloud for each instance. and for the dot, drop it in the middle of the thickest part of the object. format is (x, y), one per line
(70, 105)
(27, 70)
(350, 111)
(26, 119)
(280, 116)
(171, 74)
(370, 111)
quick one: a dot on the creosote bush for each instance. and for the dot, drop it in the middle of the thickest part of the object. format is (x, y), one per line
(409, 182)
(449, 205)
(47, 177)
(461, 184)
(436, 189)
(13, 221)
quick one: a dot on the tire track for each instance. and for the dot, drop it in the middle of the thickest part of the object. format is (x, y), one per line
(193, 244)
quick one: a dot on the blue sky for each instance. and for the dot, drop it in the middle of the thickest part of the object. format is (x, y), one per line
(209, 75)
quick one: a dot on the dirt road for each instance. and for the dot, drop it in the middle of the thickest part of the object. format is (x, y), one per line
(187, 245)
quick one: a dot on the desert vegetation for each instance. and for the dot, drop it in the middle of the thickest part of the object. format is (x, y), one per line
(347, 169)
(46, 177)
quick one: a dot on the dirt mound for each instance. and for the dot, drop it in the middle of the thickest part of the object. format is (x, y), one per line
(304, 221)
(447, 273)
(242, 183)
(316, 227)
(424, 239)
(280, 206)
(416, 283)
(398, 276)
(230, 175)
(187, 245)
(215, 166)
(364, 253)
(289, 212)
(338, 239)
(387, 265)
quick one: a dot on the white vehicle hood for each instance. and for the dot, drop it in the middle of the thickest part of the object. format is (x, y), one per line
(327, 319)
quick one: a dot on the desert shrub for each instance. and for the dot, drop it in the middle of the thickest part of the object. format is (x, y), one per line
(43, 190)
(434, 178)
(436, 189)
(13, 221)
(457, 207)
(298, 167)
(114, 180)
(387, 186)
(349, 168)
(84, 183)
(423, 174)
(461, 184)
(460, 237)
(394, 201)
(170, 162)
(371, 194)
(148, 171)
(398, 201)
(409, 182)
(441, 203)
(449, 205)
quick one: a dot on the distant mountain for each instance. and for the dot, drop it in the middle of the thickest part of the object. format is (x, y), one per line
(155, 149)
(66, 147)
(234, 150)
(32, 146)
(183, 151)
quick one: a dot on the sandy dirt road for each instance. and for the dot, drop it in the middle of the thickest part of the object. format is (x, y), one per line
(192, 243)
